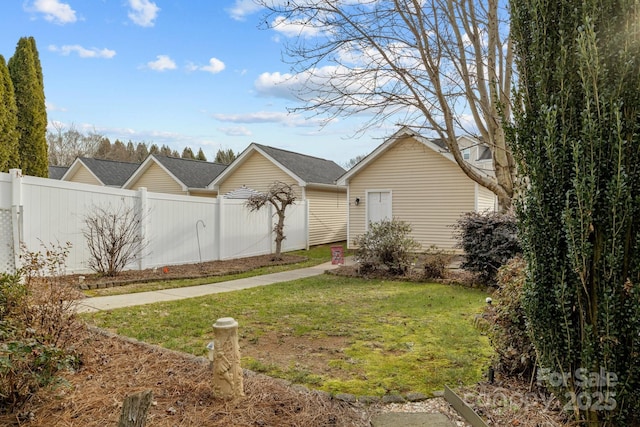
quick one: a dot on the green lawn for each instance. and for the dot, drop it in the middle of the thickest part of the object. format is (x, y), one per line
(398, 337)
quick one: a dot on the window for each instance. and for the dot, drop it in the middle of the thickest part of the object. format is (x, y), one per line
(466, 153)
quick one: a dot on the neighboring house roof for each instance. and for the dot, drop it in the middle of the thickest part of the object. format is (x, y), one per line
(243, 192)
(301, 167)
(483, 150)
(57, 172)
(190, 174)
(111, 173)
(437, 145)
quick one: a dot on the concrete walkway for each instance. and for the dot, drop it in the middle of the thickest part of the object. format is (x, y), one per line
(89, 305)
(94, 304)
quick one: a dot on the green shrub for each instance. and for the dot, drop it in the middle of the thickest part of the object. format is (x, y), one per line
(489, 240)
(386, 247)
(507, 327)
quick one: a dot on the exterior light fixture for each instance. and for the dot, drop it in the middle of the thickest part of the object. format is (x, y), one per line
(357, 201)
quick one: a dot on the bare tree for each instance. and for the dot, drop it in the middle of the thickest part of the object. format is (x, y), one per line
(279, 195)
(113, 238)
(354, 161)
(441, 66)
(67, 144)
(226, 157)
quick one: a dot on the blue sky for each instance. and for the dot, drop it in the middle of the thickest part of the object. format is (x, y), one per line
(195, 73)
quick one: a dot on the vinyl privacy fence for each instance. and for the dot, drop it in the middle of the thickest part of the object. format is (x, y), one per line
(175, 229)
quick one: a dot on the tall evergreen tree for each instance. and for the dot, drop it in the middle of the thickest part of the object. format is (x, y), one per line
(131, 152)
(225, 156)
(201, 156)
(104, 149)
(26, 76)
(9, 136)
(577, 137)
(187, 153)
(165, 150)
(141, 152)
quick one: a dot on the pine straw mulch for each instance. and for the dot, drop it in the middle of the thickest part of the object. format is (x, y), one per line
(114, 368)
(514, 402)
(182, 271)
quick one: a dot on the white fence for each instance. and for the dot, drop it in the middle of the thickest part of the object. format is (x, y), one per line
(175, 229)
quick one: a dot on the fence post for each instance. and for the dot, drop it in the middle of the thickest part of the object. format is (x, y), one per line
(306, 222)
(143, 212)
(16, 214)
(219, 228)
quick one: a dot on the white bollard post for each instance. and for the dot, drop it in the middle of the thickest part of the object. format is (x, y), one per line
(227, 372)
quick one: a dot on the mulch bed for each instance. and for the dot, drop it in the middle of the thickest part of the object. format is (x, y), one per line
(114, 368)
(183, 271)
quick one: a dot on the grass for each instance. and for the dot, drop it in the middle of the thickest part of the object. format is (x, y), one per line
(314, 256)
(399, 337)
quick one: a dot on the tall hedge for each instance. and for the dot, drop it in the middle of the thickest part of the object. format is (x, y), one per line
(8, 121)
(577, 138)
(26, 75)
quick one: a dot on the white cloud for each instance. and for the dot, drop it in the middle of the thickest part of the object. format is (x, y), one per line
(215, 66)
(143, 12)
(55, 11)
(236, 131)
(242, 8)
(294, 28)
(291, 120)
(53, 107)
(83, 52)
(162, 63)
(278, 85)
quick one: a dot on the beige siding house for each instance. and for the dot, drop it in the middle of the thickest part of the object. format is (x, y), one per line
(163, 174)
(413, 179)
(108, 173)
(313, 179)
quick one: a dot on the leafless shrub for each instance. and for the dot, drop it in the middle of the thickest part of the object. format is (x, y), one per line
(279, 195)
(113, 238)
(37, 325)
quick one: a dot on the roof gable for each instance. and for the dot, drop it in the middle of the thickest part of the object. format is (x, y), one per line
(437, 145)
(301, 167)
(192, 173)
(188, 173)
(108, 172)
(312, 170)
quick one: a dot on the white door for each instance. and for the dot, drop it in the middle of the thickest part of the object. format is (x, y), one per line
(378, 206)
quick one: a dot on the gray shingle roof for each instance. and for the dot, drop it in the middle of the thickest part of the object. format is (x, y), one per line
(110, 172)
(485, 152)
(57, 172)
(192, 173)
(311, 169)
